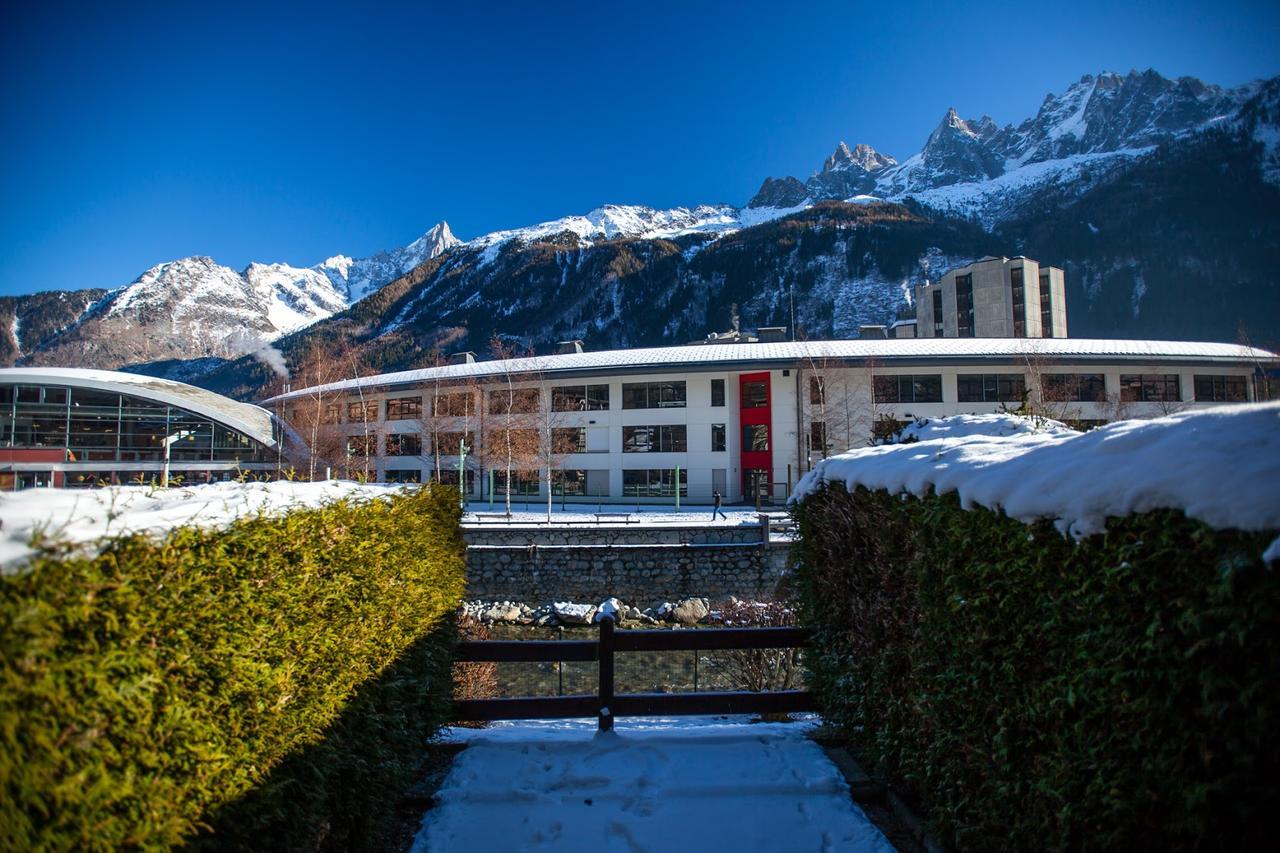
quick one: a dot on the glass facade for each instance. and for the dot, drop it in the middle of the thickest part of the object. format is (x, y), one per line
(93, 425)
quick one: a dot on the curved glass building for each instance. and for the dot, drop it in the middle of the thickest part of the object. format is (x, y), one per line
(72, 427)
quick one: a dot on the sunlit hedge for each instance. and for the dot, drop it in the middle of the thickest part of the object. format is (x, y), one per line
(279, 670)
(1119, 693)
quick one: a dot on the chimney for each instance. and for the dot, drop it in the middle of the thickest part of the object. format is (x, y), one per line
(462, 358)
(568, 347)
(771, 334)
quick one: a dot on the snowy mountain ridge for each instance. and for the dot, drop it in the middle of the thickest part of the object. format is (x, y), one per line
(197, 308)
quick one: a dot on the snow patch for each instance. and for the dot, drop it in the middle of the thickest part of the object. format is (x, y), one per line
(86, 518)
(1220, 466)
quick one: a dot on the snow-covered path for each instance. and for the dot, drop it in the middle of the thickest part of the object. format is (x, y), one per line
(649, 786)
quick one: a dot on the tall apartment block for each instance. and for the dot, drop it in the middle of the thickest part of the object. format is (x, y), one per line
(994, 298)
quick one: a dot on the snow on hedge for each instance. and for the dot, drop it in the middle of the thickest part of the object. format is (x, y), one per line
(1220, 465)
(88, 517)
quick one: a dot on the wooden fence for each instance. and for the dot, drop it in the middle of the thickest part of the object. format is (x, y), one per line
(606, 705)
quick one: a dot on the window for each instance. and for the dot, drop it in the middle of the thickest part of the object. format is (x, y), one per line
(1019, 303)
(817, 391)
(990, 387)
(1075, 387)
(908, 389)
(404, 408)
(653, 395)
(818, 437)
(402, 475)
(449, 477)
(404, 444)
(522, 482)
(717, 392)
(653, 483)
(755, 438)
(362, 445)
(1222, 389)
(514, 400)
(571, 481)
(448, 443)
(669, 438)
(332, 414)
(366, 412)
(718, 438)
(568, 439)
(964, 306)
(580, 398)
(1046, 306)
(937, 312)
(755, 394)
(455, 405)
(1150, 388)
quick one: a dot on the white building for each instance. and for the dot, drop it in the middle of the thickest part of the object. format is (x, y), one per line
(629, 425)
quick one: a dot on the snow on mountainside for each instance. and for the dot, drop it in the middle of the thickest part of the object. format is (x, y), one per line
(359, 278)
(974, 168)
(196, 308)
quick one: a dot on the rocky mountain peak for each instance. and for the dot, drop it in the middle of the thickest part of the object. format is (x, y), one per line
(862, 157)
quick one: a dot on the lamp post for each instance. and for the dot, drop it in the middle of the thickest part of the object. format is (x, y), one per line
(462, 471)
(168, 443)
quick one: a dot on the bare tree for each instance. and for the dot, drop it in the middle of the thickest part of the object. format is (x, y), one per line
(316, 415)
(512, 437)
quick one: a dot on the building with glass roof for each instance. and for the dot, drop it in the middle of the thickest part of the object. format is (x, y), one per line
(72, 427)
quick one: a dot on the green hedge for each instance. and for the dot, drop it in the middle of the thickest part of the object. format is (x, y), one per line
(150, 689)
(1118, 693)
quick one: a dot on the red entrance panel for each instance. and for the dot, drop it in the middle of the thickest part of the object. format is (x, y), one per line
(755, 408)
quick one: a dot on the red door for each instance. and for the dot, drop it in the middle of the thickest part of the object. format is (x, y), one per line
(755, 407)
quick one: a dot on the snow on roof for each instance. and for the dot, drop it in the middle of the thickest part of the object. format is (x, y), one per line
(87, 518)
(788, 353)
(1221, 466)
(253, 421)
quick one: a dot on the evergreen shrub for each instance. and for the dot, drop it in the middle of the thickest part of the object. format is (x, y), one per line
(1122, 692)
(280, 671)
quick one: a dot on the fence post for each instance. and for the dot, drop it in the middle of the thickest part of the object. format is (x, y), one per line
(605, 695)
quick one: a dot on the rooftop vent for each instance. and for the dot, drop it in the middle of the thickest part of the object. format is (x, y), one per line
(462, 358)
(771, 334)
(568, 347)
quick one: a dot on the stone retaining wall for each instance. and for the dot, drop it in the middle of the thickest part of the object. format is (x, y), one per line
(612, 534)
(643, 574)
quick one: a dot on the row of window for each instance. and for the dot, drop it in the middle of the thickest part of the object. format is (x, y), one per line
(1068, 387)
(662, 438)
(971, 388)
(636, 482)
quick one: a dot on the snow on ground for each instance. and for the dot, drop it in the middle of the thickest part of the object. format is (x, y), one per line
(1220, 465)
(85, 517)
(705, 784)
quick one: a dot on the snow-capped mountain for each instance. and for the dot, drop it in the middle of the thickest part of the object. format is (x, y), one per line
(974, 168)
(1138, 185)
(359, 278)
(197, 308)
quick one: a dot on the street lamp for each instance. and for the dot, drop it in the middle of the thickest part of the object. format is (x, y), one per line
(462, 471)
(168, 445)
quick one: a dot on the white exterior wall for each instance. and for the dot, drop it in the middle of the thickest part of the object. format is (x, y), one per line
(849, 416)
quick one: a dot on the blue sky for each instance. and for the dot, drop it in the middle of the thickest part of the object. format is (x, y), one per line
(136, 133)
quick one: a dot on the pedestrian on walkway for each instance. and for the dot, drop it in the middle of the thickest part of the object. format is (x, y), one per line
(718, 498)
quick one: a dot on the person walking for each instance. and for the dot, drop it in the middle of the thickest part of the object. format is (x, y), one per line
(718, 498)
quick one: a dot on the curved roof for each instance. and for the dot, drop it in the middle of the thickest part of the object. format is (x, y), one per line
(789, 353)
(253, 421)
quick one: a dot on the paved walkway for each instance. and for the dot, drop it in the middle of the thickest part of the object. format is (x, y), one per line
(649, 786)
